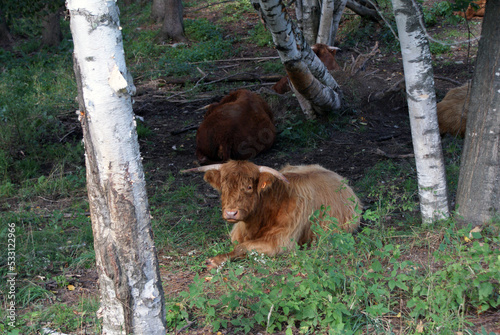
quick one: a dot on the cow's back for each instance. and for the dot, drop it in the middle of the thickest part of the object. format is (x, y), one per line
(238, 127)
(316, 186)
(452, 111)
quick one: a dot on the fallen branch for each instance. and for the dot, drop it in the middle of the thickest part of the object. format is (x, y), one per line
(396, 87)
(400, 85)
(360, 62)
(449, 79)
(233, 78)
(383, 153)
(183, 130)
(237, 59)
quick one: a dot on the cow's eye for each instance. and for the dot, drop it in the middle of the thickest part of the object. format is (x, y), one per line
(249, 187)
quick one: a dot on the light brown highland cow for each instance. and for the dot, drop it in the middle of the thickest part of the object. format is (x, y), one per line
(270, 209)
(452, 111)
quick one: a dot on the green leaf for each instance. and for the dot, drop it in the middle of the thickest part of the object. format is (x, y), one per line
(376, 266)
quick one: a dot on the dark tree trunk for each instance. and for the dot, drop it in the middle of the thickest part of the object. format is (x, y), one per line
(478, 194)
(173, 26)
(158, 9)
(52, 34)
(364, 9)
(5, 36)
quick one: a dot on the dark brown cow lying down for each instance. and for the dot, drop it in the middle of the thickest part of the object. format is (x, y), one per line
(240, 126)
(452, 111)
(325, 53)
(270, 209)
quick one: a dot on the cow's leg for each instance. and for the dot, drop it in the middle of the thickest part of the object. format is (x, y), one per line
(270, 246)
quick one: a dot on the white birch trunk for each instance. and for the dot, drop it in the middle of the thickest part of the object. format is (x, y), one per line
(421, 98)
(132, 299)
(325, 24)
(309, 14)
(337, 15)
(331, 13)
(307, 73)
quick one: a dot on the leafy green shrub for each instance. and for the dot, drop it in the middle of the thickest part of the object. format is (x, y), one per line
(348, 283)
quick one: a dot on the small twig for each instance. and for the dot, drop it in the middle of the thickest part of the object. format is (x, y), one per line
(394, 88)
(237, 59)
(67, 134)
(189, 323)
(183, 130)
(448, 79)
(192, 88)
(383, 153)
(356, 67)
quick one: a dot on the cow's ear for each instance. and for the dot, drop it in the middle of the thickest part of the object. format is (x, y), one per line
(213, 178)
(265, 181)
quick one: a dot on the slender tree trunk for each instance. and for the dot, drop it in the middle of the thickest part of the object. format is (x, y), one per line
(5, 36)
(158, 10)
(326, 22)
(51, 33)
(307, 73)
(478, 193)
(310, 16)
(132, 300)
(421, 97)
(173, 26)
(337, 15)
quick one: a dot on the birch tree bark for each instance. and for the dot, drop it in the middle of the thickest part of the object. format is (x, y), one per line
(478, 193)
(331, 13)
(132, 300)
(421, 98)
(326, 22)
(308, 18)
(319, 20)
(308, 75)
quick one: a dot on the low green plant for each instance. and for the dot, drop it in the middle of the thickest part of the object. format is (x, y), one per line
(302, 133)
(351, 284)
(236, 10)
(437, 48)
(261, 36)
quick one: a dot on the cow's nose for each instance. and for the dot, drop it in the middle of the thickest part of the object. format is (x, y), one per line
(230, 215)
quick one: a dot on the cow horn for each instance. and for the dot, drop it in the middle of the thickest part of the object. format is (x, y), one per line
(204, 168)
(275, 173)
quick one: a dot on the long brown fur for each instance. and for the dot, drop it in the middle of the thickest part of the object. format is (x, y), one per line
(452, 111)
(240, 126)
(474, 11)
(269, 214)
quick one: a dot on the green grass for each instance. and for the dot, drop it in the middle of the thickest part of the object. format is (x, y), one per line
(352, 283)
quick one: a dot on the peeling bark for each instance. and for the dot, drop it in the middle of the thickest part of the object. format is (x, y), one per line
(419, 79)
(307, 73)
(132, 300)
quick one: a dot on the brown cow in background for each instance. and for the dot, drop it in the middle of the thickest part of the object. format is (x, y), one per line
(240, 126)
(325, 53)
(452, 111)
(270, 209)
(476, 9)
